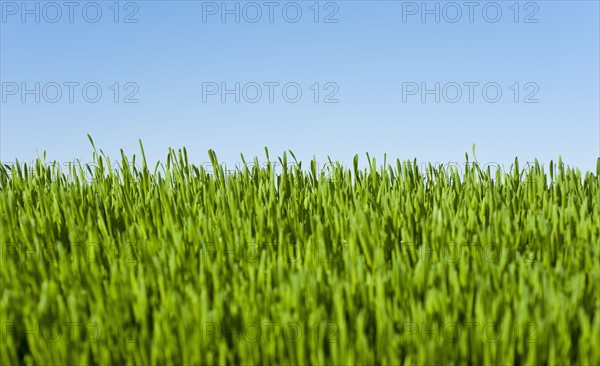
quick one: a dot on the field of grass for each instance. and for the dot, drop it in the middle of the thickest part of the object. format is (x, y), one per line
(390, 264)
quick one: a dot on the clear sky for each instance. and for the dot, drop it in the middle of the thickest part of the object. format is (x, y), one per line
(320, 78)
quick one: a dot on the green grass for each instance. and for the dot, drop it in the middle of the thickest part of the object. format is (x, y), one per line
(384, 265)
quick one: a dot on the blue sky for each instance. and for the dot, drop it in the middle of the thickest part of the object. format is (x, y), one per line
(371, 60)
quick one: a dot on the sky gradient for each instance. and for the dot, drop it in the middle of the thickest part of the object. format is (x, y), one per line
(369, 74)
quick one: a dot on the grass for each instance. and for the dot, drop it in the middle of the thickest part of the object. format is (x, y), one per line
(389, 264)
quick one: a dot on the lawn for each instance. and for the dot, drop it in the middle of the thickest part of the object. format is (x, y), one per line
(388, 264)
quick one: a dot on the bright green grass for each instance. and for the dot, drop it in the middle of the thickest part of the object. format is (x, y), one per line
(386, 265)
